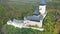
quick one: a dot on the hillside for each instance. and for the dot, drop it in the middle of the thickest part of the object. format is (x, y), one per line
(16, 9)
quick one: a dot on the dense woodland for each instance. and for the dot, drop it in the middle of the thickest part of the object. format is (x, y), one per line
(17, 10)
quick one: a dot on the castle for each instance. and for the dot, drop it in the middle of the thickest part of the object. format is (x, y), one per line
(36, 20)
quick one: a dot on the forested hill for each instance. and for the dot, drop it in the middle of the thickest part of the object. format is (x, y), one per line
(15, 9)
(10, 9)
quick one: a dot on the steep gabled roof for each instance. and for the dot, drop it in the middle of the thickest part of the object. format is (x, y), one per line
(42, 2)
(36, 12)
(17, 21)
(34, 18)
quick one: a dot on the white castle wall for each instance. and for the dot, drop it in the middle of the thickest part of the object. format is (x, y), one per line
(27, 22)
(42, 9)
(20, 25)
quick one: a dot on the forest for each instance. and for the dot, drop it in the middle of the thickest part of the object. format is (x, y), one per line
(17, 9)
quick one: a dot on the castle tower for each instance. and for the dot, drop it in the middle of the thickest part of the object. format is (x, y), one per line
(36, 12)
(42, 7)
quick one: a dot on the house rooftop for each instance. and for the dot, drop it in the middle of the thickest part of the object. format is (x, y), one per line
(17, 21)
(34, 18)
(36, 12)
(42, 2)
